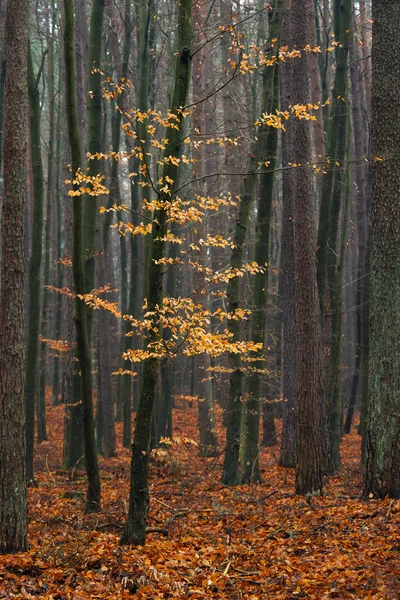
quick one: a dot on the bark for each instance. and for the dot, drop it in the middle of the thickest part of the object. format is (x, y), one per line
(32, 343)
(83, 352)
(208, 436)
(360, 147)
(45, 324)
(13, 495)
(308, 434)
(94, 146)
(337, 127)
(58, 275)
(288, 441)
(236, 378)
(382, 473)
(266, 152)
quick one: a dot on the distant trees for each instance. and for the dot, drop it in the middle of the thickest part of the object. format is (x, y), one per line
(13, 496)
(207, 252)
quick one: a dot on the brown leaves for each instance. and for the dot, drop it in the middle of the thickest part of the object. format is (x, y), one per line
(223, 543)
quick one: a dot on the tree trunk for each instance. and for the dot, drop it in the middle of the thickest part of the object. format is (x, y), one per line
(266, 154)
(382, 473)
(13, 496)
(83, 352)
(308, 434)
(45, 326)
(135, 528)
(32, 343)
(360, 147)
(288, 439)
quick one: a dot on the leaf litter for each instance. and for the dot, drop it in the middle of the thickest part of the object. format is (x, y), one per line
(205, 540)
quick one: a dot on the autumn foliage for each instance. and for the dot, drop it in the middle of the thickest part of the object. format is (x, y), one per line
(205, 540)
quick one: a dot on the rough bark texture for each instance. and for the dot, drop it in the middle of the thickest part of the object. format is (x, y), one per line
(13, 497)
(288, 440)
(308, 435)
(382, 475)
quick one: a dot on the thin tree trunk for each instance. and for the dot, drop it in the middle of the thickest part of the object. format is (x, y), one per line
(83, 352)
(135, 528)
(288, 440)
(266, 155)
(32, 344)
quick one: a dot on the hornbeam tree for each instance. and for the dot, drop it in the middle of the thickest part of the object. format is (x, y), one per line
(135, 528)
(82, 343)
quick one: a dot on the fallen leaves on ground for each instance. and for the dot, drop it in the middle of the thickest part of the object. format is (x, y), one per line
(246, 542)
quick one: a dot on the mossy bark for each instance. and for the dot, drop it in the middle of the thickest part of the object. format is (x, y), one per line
(78, 267)
(382, 470)
(42, 433)
(32, 343)
(230, 474)
(337, 125)
(266, 153)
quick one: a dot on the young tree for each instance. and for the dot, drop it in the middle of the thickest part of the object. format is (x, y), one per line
(13, 497)
(382, 474)
(135, 528)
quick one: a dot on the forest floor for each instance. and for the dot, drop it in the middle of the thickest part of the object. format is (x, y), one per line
(247, 542)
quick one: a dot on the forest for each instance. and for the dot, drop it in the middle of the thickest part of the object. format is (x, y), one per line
(199, 299)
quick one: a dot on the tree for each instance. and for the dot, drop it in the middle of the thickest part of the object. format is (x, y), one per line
(307, 397)
(35, 260)
(13, 496)
(135, 528)
(287, 456)
(266, 152)
(82, 342)
(382, 474)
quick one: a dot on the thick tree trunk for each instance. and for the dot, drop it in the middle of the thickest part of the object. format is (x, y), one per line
(308, 343)
(382, 473)
(13, 496)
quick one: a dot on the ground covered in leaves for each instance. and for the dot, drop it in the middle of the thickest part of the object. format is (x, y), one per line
(208, 540)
